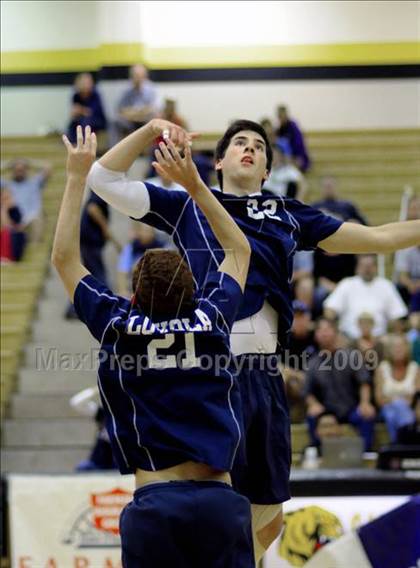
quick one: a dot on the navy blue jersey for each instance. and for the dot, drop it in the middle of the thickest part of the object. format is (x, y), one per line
(167, 387)
(275, 227)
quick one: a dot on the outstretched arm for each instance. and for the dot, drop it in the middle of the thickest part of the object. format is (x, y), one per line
(182, 170)
(357, 239)
(66, 249)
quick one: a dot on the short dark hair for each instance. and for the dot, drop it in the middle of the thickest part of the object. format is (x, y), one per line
(331, 322)
(233, 129)
(163, 284)
(325, 413)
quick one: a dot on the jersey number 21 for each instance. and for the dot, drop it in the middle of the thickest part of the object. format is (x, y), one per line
(188, 358)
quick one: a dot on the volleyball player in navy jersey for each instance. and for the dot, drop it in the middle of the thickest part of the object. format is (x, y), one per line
(172, 405)
(275, 228)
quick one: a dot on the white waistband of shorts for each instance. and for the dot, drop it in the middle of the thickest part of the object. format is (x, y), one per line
(257, 333)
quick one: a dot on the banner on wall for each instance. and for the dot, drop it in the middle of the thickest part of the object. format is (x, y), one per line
(313, 522)
(67, 521)
(71, 521)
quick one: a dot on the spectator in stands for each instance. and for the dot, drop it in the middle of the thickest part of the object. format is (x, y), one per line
(413, 335)
(304, 292)
(143, 238)
(331, 204)
(410, 434)
(295, 359)
(138, 104)
(285, 180)
(329, 269)
(333, 385)
(365, 292)
(170, 112)
(26, 191)
(13, 238)
(94, 233)
(327, 425)
(396, 381)
(87, 108)
(303, 264)
(370, 347)
(289, 130)
(407, 266)
(268, 126)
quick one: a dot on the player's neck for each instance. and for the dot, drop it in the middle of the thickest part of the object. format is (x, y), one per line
(240, 187)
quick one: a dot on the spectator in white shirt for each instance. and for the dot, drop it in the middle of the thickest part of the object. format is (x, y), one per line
(285, 179)
(365, 292)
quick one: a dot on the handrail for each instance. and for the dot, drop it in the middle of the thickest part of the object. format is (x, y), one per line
(405, 200)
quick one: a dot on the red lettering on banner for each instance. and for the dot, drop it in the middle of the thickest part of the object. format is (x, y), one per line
(22, 561)
(51, 563)
(81, 562)
(110, 564)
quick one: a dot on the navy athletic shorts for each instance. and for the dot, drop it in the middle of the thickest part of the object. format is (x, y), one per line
(186, 524)
(265, 477)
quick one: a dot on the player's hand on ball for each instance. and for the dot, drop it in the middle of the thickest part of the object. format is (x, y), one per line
(80, 157)
(179, 168)
(169, 131)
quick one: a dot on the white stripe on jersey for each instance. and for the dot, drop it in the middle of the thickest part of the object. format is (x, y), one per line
(132, 401)
(114, 424)
(234, 418)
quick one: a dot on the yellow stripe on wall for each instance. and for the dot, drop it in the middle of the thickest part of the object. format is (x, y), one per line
(205, 57)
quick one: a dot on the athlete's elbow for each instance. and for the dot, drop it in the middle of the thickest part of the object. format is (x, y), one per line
(92, 180)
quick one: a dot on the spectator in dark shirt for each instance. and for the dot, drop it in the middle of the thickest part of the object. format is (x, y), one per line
(289, 130)
(295, 359)
(87, 109)
(410, 434)
(333, 384)
(94, 234)
(327, 426)
(330, 268)
(331, 203)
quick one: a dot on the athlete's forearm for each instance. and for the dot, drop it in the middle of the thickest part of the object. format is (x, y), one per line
(400, 235)
(122, 156)
(126, 196)
(66, 247)
(359, 239)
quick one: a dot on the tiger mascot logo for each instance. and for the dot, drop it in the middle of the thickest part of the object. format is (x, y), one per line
(306, 531)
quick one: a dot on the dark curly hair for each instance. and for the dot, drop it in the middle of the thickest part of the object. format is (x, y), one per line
(163, 284)
(233, 129)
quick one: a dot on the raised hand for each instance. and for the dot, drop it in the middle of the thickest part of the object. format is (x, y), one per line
(81, 157)
(179, 168)
(170, 131)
